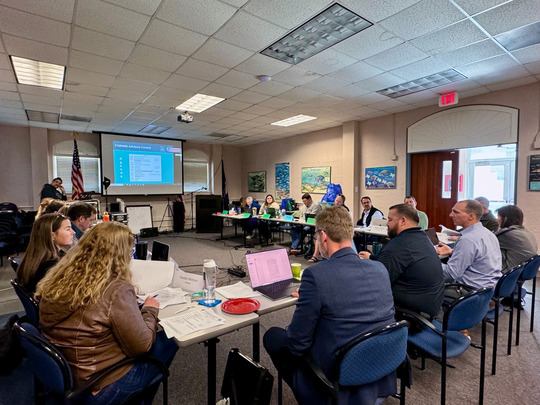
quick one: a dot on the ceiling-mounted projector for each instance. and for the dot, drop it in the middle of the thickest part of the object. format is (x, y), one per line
(185, 117)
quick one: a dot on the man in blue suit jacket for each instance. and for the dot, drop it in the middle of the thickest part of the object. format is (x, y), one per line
(339, 299)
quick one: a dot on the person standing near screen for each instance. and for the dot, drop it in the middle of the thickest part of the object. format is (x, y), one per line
(54, 190)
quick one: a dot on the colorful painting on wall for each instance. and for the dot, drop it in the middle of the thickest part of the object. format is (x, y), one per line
(283, 185)
(381, 177)
(257, 181)
(315, 179)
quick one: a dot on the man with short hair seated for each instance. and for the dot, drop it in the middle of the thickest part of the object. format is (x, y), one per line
(82, 216)
(298, 232)
(339, 299)
(423, 221)
(368, 214)
(476, 259)
(412, 263)
(488, 220)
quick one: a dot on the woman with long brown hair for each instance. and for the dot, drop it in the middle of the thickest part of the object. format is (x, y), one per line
(49, 234)
(88, 309)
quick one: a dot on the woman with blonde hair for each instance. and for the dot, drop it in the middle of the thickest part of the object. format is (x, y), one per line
(49, 234)
(42, 205)
(88, 308)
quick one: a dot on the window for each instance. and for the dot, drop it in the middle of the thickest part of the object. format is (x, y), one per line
(89, 167)
(196, 170)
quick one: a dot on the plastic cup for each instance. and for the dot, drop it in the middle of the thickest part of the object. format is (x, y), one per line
(376, 248)
(296, 270)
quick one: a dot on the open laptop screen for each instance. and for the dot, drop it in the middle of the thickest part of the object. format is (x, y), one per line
(432, 235)
(268, 267)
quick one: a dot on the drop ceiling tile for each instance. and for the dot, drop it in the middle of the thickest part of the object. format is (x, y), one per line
(34, 99)
(259, 64)
(201, 70)
(503, 75)
(421, 18)
(300, 94)
(271, 88)
(369, 42)
(384, 105)
(398, 56)
(250, 97)
(356, 72)
(26, 48)
(31, 26)
(221, 53)
(9, 95)
(509, 16)
(220, 90)
(216, 111)
(8, 86)
(10, 104)
(286, 13)
(237, 79)
(111, 106)
(143, 73)
(350, 91)
(4, 62)
(452, 37)
(101, 44)
(323, 101)
(126, 95)
(134, 85)
(172, 94)
(380, 82)
(234, 105)
(512, 83)
(420, 69)
(487, 66)
(86, 77)
(110, 19)
(58, 10)
(147, 7)
(472, 53)
(528, 55)
(475, 92)
(87, 89)
(204, 16)
(82, 98)
(5, 111)
(376, 10)
(327, 61)
(185, 83)
(534, 68)
(95, 63)
(477, 6)
(259, 110)
(276, 102)
(172, 38)
(326, 83)
(261, 33)
(370, 98)
(296, 76)
(156, 58)
(163, 102)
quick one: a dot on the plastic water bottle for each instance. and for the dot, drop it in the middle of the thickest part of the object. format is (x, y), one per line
(209, 278)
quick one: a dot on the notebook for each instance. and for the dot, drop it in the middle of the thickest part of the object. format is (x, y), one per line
(432, 235)
(160, 251)
(270, 273)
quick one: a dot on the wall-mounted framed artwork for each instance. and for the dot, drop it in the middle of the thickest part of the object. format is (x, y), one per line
(315, 179)
(283, 185)
(534, 173)
(381, 177)
(257, 181)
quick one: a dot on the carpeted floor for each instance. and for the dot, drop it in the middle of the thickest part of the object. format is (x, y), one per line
(515, 382)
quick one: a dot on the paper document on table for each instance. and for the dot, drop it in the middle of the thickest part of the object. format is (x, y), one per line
(190, 321)
(151, 275)
(238, 290)
(166, 296)
(188, 281)
(449, 231)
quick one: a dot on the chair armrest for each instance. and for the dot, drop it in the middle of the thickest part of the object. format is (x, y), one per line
(417, 319)
(315, 370)
(87, 385)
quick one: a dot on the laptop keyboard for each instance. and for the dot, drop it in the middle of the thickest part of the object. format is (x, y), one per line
(275, 287)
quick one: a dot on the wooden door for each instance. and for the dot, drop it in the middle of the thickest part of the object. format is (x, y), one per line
(434, 184)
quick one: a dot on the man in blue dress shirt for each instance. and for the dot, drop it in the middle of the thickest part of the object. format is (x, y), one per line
(339, 299)
(476, 259)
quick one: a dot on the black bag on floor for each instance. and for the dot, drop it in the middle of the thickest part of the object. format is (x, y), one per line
(246, 382)
(11, 352)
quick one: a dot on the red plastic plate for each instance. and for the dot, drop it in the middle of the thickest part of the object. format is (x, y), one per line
(240, 306)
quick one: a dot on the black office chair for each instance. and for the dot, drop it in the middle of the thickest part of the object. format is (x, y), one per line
(442, 341)
(530, 270)
(365, 359)
(14, 261)
(505, 288)
(52, 374)
(29, 303)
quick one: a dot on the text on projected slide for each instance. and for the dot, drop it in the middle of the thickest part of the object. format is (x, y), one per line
(142, 163)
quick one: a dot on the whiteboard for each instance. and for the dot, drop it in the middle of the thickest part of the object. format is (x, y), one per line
(139, 216)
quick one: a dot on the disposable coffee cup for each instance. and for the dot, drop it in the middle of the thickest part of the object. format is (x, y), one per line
(296, 270)
(141, 250)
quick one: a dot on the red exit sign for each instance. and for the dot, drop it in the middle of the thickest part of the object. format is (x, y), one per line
(448, 99)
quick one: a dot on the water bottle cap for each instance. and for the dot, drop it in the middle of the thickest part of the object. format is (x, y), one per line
(209, 263)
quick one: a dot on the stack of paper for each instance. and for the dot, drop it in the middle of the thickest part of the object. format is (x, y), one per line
(166, 296)
(238, 290)
(190, 321)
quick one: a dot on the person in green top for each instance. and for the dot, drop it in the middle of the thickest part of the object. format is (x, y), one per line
(423, 223)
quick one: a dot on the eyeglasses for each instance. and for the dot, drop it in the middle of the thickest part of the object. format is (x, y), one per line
(317, 233)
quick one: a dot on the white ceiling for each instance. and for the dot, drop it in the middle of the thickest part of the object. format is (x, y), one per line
(129, 62)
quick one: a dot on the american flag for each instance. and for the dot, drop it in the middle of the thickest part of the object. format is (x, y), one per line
(76, 175)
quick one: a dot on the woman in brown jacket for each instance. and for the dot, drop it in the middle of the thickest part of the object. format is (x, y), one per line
(88, 309)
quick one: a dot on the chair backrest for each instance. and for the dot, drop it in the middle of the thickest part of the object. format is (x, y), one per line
(507, 283)
(29, 303)
(371, 356)
(14, 261)
(46, 362)
(469, 310)
(531, 268)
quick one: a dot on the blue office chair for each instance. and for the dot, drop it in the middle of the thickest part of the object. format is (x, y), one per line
(367, 358)
(52, 374)
(29, 303)
(529, 273)
(443, 341)
(505, 288)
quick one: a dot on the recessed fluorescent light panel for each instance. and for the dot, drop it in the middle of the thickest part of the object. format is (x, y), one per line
(35, 73)
(153, 129)
(199, 102)
(326, 29)
(42, 116)
(520, 37)
(424, 83)
(297, 119)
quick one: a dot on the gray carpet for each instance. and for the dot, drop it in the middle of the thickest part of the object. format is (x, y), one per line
(515, 382)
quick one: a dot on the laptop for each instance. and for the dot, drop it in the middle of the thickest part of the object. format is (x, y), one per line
(271, 211)
(378, 221)
(432, 235)
(270, 273)
(160, 251)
